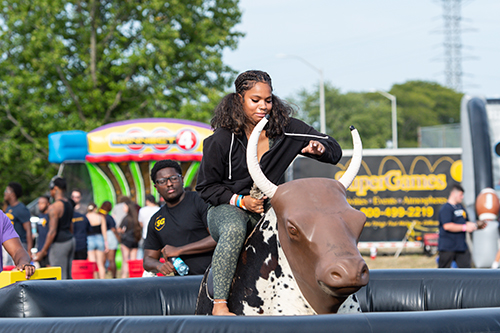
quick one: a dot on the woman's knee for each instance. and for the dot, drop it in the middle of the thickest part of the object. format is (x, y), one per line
(224, 220)
(232, 230)
(235, 233)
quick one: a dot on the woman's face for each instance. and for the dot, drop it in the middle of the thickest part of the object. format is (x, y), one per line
(257, 102)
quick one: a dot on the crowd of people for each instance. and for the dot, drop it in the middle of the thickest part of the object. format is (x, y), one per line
(68, 229)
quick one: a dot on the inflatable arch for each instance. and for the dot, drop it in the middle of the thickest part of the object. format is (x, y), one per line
(116, 159)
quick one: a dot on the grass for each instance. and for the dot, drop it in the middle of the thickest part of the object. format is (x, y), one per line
(407, 259)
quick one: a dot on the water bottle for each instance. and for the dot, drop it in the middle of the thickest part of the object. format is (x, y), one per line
(34, 251)
(179, 265)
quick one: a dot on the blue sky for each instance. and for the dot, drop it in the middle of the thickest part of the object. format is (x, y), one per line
(362, 45)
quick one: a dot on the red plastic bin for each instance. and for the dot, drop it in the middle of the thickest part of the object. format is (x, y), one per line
(83, 269)
(135, 268)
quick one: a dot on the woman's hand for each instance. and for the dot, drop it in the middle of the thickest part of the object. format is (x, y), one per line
(254, 205)
(314, 148)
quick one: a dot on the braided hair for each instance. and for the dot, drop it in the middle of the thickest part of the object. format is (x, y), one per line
(229, 113)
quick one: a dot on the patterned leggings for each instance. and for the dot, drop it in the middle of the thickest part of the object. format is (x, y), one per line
(228, 226)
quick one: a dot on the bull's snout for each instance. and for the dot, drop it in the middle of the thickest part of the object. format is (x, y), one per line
(344, 276)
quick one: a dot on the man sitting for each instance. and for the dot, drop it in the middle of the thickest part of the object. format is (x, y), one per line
(179, 228)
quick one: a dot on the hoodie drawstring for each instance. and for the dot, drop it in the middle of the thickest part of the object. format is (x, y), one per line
(289, 134)
(230, 153)
(308, 135)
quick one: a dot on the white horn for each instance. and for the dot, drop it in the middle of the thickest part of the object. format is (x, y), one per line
(267, 187)
(357, 155)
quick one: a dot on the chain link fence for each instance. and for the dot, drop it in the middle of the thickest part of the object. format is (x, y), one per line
(440, 136)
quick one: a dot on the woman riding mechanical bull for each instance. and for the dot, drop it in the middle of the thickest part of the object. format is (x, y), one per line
(224, 181)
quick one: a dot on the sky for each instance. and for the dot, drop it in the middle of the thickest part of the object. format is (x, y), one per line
(362, 45)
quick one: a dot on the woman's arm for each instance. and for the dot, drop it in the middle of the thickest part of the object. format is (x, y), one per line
(332, 152)
(212, 172)
(104, 230)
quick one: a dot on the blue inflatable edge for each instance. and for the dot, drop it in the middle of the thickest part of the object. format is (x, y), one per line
(67, 145)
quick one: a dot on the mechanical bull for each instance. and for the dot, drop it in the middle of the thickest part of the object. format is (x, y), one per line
(302, 257)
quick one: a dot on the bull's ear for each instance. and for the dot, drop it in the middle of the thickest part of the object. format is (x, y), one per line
(355, 164)
(356, 222)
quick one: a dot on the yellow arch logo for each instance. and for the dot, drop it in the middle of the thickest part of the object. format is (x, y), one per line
(400, 180)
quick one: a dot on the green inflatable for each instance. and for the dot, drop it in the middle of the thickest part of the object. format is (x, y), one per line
(118, 259)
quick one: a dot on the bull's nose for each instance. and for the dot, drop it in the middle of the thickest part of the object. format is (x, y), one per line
(345, 273)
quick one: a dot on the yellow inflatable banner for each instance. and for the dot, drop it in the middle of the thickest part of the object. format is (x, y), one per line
(147, 139)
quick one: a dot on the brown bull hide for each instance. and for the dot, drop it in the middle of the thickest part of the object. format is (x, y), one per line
(319, 231)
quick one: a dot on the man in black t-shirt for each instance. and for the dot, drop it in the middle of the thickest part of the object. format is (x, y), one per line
(42, 226)
(60, 238)
(81, 227)
(453, 225)
(179, 228)
(19, 215)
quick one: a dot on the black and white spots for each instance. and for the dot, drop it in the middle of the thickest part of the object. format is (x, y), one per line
(350, 305)
(275, 289)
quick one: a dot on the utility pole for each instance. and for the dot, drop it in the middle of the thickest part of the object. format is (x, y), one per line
(453, 43)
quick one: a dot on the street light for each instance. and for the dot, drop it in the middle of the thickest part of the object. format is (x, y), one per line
(394, 115)
(322, 120)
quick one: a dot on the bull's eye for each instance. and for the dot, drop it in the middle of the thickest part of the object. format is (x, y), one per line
(293, 231)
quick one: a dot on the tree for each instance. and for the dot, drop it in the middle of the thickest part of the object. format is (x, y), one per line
(343, 110)
(422, 103)
(419, 103)
(80, 64)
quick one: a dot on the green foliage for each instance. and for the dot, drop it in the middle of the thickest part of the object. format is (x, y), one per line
(423, 103)
(368, 115)
(419, 104)
(80, 64)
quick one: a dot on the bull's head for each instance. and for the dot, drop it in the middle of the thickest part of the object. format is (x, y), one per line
(318, 230)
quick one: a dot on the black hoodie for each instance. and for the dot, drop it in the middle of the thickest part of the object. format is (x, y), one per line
(223, 171)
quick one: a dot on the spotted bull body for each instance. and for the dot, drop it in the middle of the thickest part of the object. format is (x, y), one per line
(264, 283)
(309, 262)
(302, 258)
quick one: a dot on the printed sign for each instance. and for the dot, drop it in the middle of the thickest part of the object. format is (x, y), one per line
(147, 139)
(394, 191)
